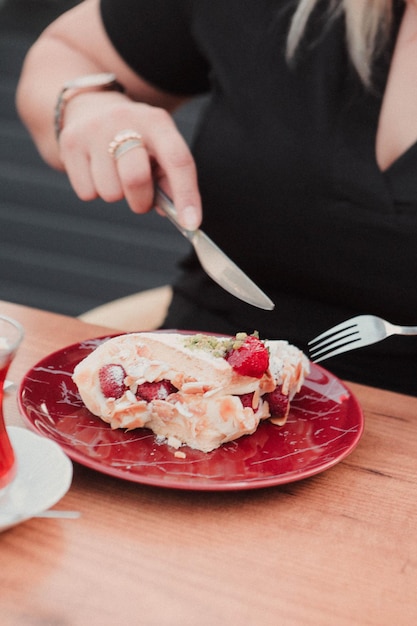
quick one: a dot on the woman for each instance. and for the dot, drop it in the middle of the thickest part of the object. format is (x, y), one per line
(305, 160)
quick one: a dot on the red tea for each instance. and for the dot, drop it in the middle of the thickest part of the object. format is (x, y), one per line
(7, 459)
(11, 334)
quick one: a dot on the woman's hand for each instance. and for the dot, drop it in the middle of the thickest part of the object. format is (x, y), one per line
(76, 45)
(92, 121)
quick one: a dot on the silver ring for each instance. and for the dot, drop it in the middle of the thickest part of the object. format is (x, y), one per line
(124, 141)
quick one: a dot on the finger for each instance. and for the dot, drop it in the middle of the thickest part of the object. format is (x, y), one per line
(176, 169)
(79, 173)
(181, 179)
(186, 202)
(105, 177)
(117, 174)
(76, 162)
(135, 175)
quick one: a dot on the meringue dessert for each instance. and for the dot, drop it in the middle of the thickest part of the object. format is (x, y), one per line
(191, 389)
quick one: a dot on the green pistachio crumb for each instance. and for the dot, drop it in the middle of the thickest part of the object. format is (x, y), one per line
(210, 343)
(217, 346)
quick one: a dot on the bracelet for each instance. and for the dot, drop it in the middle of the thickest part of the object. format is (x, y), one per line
(92, 82)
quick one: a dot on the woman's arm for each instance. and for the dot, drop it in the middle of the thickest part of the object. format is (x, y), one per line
(76, 45)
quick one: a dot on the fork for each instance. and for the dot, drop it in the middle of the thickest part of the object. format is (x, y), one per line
(355, 332)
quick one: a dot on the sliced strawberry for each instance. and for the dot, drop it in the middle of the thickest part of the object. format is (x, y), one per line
(278, 402)
(111, 379)
(250, 359)
(246, 399)
(155, 391)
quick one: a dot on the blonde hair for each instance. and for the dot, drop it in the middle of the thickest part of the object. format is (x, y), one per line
(367, 29)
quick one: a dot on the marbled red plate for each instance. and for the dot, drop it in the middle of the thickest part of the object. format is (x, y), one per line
(324, 426)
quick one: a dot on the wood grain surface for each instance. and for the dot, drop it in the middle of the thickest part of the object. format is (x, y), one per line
(336, 549)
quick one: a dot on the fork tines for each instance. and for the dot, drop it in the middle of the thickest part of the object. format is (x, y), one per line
(334, 341)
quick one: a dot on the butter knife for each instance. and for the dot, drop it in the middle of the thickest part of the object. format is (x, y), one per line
(214, 261)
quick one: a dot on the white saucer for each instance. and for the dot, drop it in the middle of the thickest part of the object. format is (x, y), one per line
(44, 475)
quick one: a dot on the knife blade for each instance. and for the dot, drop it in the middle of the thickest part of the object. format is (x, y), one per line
(214, 261)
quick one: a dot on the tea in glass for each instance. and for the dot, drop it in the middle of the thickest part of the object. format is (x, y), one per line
(11, 334)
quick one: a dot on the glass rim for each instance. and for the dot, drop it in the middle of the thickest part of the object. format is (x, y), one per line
(18, 326)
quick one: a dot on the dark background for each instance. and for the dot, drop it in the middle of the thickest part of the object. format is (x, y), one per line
(56, 252)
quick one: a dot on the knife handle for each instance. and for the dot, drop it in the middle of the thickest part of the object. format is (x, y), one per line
(165, 203)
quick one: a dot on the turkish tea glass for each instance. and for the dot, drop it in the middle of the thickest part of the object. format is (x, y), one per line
(11, 334)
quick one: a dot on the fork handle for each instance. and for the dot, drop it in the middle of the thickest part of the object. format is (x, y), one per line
(405, 330)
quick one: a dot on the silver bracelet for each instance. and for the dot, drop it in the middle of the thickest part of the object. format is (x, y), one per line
(92, 82)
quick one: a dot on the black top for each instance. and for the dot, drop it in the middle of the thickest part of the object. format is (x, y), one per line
(290, 185)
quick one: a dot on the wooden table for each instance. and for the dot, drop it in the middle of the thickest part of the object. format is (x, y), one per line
(339, 548)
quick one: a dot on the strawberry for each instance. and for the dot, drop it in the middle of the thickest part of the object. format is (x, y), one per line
(278, 402)
(111, 379)
(249, 359)
(155, 391)
(246, 399)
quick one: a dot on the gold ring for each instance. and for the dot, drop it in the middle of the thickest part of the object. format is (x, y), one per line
(124, 141)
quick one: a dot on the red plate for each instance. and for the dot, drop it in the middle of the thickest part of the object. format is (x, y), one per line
(324, 426)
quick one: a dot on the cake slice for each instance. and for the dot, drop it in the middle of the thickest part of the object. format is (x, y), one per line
(198, 390)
